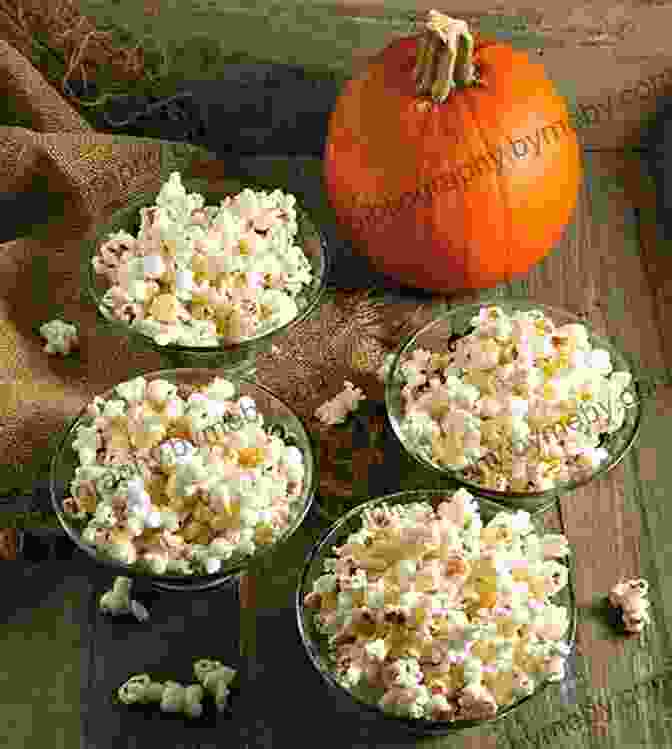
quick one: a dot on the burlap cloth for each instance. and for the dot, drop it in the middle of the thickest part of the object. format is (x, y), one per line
(94, 174)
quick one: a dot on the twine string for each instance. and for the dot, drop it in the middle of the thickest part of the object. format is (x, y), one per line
(63, 22)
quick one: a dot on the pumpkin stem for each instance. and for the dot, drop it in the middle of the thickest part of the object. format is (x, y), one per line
(444, 57)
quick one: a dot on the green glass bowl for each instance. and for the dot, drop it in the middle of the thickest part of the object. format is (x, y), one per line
(436, 336)
(316, 644)
(278, 416)
(237, 358)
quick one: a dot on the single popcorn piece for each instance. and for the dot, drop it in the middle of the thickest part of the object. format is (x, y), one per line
(216, 679)
(336, 410)
(630, 597)
(117, 601)
(435, 615)
(61, 337)
(140, 689)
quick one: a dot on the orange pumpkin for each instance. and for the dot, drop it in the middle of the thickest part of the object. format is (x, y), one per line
(451, 165)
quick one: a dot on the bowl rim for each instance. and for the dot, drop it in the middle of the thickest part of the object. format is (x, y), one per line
(548, 496)
(227, 571)
(207, 187)
(421, 725)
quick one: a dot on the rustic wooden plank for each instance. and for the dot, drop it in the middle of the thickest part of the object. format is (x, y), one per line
(635, 173)
(601, 273)
(44, 632)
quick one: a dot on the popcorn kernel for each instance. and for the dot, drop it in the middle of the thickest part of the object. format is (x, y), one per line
(201, 311)
(249, 457)
(199, 264)
(87, 502)
(151, 536)
(164, 308)
(263, 534)
(329, 600)
(203, 513)
(192, 530)
(177, 504)
(506, 627)
(220, 523)
(203, 538)
(488, 600)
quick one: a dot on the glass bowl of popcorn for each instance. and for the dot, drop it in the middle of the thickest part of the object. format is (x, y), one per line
(182, 477)
(207, 274)
(438, 611)
(513, 399)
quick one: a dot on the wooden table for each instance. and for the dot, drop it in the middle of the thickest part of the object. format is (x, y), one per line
(612, 267)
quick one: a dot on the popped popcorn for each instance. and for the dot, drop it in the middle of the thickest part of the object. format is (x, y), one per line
(182, 490)
(518, 404)
(207, 276)
(140, 689)
(171, 696)
(61, 337)
(449, 618)
(336, 410)
(630, 597)
(118, 601)
(179, 699)
(216, 679)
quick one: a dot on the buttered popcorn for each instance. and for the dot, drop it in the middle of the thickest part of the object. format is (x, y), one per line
(201, 275)
(519, 404)
(179, 479)
(439, 616)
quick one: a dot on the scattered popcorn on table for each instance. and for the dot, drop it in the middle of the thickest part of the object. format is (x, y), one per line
(631, 598)
(518, 405)
(440, 616)
(117, 601)
(140, 689)
(179, 699)
(61, 337)
(173, 697)
(206, 275)
(336, 410)
(215, 678)
(181, 485)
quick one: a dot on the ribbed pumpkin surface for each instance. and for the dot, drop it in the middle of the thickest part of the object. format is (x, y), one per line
(462, 194)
